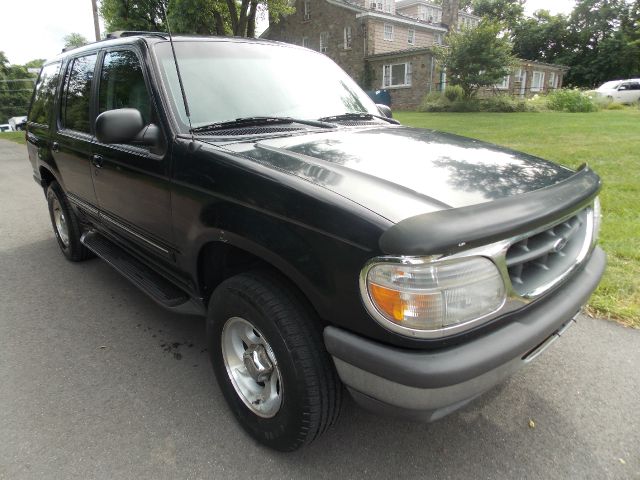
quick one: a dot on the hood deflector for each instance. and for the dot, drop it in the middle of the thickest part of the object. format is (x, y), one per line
(452, 230)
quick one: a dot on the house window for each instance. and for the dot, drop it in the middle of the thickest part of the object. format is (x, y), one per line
(396, 75)
(324, 38)
(504, 85)
(411, 36)
(517, 76)
(387, 5)
(537, 81)
(388, 32)
(438, 39)
(553, 80)
(376, 5)
(305, 42)
(307, 9)
(347, 38)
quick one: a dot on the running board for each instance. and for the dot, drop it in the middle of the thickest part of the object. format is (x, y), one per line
(150, 282)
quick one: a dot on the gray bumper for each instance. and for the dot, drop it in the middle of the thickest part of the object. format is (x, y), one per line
(431, 384)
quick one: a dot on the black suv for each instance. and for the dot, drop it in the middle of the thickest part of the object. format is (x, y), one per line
(255, 183)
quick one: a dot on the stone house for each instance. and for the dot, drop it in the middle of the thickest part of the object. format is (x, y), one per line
(388, 44)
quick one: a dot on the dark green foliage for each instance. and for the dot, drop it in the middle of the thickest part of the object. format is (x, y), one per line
(16, 87)
(448, 102)
(477, 57)
(74, 40)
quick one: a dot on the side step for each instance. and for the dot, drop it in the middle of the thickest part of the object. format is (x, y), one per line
(143, 277)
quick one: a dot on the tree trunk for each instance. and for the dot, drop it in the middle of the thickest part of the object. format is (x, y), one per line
(233, 13)
(219, 23)
(242, 21)
(251, 20)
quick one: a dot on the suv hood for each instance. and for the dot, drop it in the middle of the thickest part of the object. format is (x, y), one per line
(399, 172)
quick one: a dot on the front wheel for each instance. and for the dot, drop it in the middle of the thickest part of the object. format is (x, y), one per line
(65, 224)
(270, 362)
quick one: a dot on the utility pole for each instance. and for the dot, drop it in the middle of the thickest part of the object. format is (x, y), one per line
(96, 25)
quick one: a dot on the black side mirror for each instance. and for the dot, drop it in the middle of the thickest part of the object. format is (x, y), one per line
(125, 125)
(384, 110)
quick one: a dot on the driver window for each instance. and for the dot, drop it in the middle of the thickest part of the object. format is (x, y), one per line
(122, 84)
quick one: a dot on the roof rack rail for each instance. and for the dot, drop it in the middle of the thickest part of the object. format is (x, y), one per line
(133, 33)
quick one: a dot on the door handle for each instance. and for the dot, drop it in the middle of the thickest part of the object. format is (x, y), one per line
(97, 161)
(55, 146)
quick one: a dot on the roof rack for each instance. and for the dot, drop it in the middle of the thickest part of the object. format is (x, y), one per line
(133, 33)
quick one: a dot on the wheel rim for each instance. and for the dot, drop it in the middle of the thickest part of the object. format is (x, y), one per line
(252, 367)
(60, 222)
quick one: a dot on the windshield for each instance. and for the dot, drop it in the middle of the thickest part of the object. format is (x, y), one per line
(225, 80)
(609, 85)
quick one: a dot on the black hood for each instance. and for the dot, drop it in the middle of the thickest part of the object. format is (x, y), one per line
(399, 172)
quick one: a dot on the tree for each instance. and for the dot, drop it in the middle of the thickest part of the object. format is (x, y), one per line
(35, 63)
(508, 12)
(16, 86)
(477, 57)
(203, 17)
(74, 40)
(144, 15)
(542, 37)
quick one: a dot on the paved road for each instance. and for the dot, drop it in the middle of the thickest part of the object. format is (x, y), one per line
(96, 381)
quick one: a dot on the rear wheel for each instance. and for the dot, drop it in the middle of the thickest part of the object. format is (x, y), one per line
(270, 362)
(65, 224)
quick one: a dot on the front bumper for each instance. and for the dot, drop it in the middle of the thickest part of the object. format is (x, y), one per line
(432, 384)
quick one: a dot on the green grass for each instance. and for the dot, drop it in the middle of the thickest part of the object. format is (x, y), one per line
(609, 141)
(17, 137)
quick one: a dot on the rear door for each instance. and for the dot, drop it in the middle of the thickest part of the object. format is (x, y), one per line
(131, 180)
(72, 144)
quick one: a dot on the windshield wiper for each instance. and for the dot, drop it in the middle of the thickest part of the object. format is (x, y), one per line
(357, 116)
(257, 121)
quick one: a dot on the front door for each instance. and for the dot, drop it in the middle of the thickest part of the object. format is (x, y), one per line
(131, 181)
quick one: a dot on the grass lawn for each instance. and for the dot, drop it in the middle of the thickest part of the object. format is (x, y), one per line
(609, 141)
(13, 136)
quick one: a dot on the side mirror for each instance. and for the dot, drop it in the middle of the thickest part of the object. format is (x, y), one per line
(384, 110)
(125, 125)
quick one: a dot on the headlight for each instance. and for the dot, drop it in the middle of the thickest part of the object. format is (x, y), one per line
(429, 299)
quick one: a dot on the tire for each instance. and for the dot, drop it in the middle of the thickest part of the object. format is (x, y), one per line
(65, 224)
(282, 332)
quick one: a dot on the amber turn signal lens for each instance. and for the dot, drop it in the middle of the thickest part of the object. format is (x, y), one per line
(388, 301)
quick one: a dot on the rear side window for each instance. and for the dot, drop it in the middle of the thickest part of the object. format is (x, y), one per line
(77, 94)
(45, 93)
(122, 84)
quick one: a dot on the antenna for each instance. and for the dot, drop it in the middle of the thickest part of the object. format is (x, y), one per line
(175, 61)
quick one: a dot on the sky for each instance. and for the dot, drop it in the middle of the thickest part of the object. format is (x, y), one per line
(31, 29)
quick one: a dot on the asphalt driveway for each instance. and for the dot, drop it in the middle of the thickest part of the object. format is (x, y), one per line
(96, 381)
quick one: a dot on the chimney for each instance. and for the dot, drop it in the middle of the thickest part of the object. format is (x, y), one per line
(450, 14)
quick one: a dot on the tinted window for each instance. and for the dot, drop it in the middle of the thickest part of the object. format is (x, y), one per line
(75, 114)
(122, 84)
(45, 93)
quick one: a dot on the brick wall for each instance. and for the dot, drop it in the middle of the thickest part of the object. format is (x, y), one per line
(331, 19)
(406, 98)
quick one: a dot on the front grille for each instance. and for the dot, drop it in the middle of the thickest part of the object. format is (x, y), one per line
(536, 263)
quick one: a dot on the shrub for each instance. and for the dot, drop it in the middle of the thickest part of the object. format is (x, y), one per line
(453, 102)
(570, 100)
(454, 93)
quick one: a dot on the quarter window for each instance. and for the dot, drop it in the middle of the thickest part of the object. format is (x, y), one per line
(45, 93)
(396, 75)
(77, 95)
(122, 84)
(388, 32)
